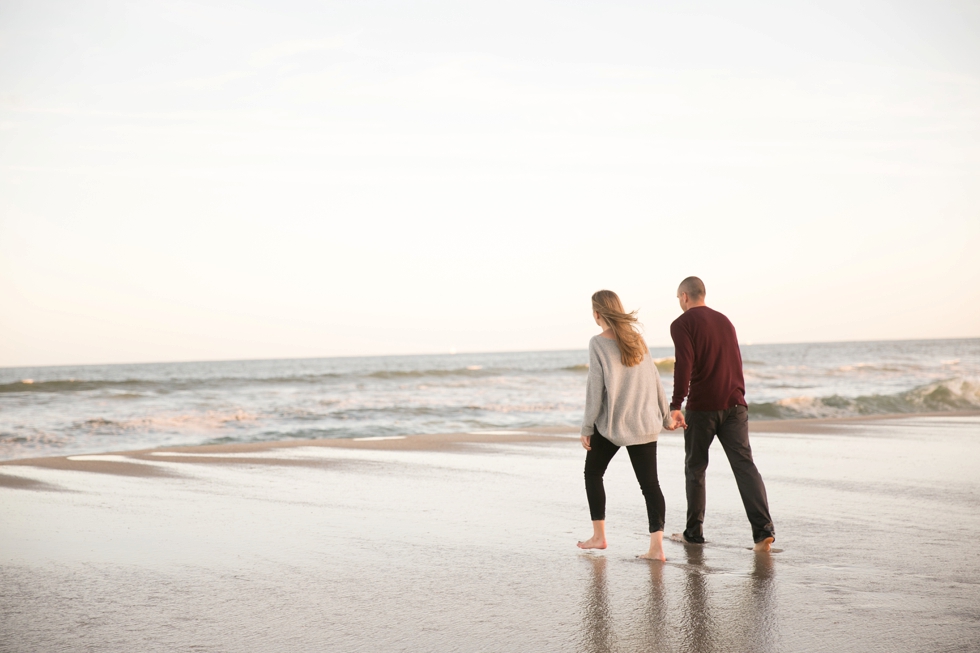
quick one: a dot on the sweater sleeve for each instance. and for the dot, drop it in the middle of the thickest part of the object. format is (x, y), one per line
(593, 391)
(662, 400)
(683, 363)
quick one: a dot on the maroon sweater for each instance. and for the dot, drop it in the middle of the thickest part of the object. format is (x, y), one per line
(706, 359)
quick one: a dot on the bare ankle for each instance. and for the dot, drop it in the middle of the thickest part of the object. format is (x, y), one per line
(656, 551)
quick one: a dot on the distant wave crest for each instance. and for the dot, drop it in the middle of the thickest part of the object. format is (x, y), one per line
(665, 365)
(943, 396)
(150, 385)
(469, 370)
(64, 385)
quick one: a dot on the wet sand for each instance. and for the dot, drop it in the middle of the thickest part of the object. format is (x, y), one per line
(467, 542)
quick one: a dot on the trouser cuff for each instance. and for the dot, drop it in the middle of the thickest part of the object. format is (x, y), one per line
(694, 539)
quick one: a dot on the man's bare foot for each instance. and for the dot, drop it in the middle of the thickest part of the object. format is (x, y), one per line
(593, 542)
(765, 546)
(656, 551)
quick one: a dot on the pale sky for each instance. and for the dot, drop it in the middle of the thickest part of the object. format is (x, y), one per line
(211, 180)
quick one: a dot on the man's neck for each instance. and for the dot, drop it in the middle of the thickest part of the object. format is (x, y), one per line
(690, 306)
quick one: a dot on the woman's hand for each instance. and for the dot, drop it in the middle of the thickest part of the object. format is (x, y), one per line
(678, 419)
(587, 442)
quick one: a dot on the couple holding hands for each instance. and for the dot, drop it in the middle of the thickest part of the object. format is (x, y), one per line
(626, 406)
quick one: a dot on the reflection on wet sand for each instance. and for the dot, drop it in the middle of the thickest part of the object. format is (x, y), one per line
(655, 624)
(644, 623)
(645, 628)
(718, 609)
(744, 620)
(764, 636)
(697, 632)
(596, 617)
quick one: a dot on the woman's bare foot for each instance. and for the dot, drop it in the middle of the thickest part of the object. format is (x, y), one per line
(656, 551)
(598, 539)
(593, 543)
(765, 546)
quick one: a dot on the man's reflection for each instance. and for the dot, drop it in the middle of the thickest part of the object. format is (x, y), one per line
(698, 634)
(762, 603)
(743, 617)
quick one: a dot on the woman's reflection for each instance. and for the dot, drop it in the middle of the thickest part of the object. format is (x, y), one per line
(596, 619)
(654, 632)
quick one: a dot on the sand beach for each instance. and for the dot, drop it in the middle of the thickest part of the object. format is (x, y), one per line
(462, 542)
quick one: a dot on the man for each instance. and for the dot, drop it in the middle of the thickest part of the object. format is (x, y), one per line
(707, 360)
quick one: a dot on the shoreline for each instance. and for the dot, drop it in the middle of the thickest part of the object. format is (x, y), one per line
(133, 462)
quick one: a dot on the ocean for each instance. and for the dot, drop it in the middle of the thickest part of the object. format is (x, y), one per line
(94, 408)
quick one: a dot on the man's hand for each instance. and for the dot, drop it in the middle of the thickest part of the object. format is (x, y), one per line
(678, 419)
(587, 442)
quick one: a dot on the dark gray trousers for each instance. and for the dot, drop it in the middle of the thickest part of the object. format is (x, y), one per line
(732, 428)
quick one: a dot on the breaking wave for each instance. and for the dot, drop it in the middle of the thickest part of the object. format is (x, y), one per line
(665, 365)
(942, 396)
(208, 420)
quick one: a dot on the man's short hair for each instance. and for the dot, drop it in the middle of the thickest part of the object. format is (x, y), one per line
(694, 288)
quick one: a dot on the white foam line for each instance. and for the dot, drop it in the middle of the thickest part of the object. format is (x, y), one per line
(208, 455)
(497, 433)
(380, 437)
(105, 457)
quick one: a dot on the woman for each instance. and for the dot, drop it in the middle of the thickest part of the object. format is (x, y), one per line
(625, 406)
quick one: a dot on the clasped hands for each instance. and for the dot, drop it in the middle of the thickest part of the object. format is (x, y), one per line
(676, 420)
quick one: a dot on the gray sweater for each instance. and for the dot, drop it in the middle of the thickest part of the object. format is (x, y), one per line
(627, 405)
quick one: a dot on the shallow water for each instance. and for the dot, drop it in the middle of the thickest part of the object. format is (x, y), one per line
(64, 410)
(473, 549)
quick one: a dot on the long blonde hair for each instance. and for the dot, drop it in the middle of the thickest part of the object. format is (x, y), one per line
(632, 348)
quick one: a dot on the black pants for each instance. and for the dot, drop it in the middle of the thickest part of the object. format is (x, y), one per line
(644, 459)
(732, 428)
